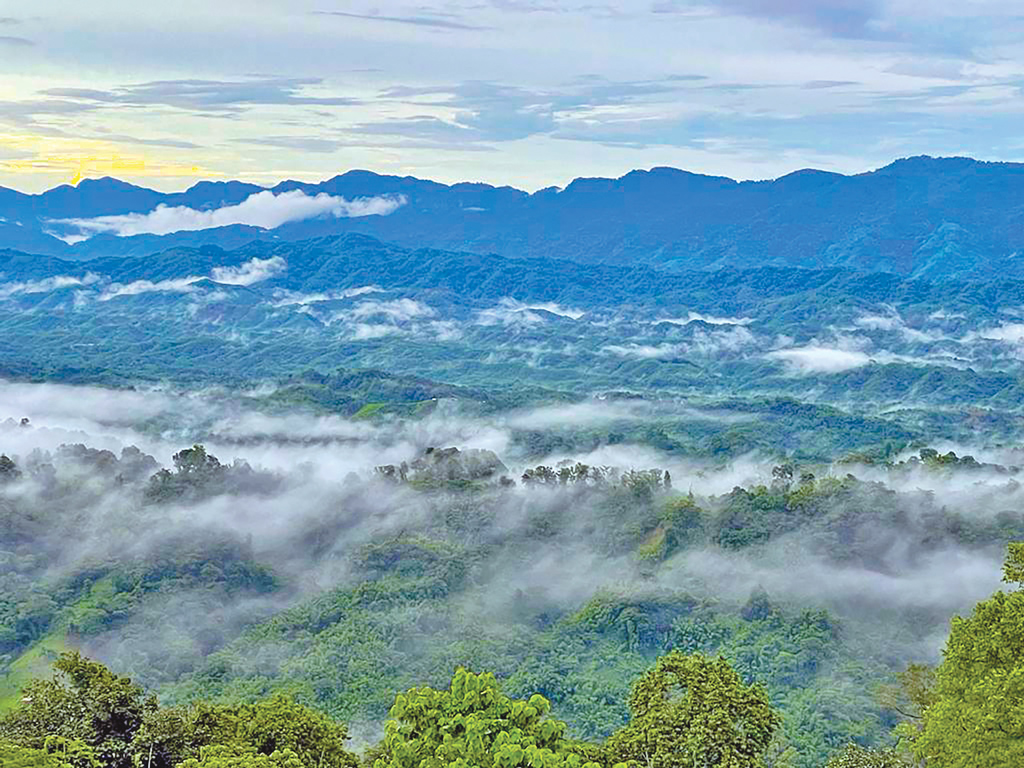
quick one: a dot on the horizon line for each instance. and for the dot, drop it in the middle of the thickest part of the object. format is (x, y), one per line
(647, 170)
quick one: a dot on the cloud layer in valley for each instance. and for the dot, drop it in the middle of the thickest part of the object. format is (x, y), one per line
(265, 210)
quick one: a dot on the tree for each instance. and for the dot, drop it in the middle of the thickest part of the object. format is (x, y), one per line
(274, 726)
(13, 756)
(196, 472)
(55, 753)
(473, 724)
(912, 694)
(196, 461)
(691, 710)
(8, 469)
(1013, 568)
(88, 717)
(235, 756)
(855, 756)
(976, 719)
(86, 703)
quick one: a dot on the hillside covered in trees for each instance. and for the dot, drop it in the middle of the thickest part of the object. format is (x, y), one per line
(686, 709)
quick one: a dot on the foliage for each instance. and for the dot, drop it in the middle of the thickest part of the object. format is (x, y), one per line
(1013, 568)
(975, 719)
(91, 718)
(234, 756)
(56, 752)
(691, 710)
(855, 756)
(473, 724)
(86, 703)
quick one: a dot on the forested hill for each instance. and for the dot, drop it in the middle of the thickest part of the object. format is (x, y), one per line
(352, 261)
(918, 217)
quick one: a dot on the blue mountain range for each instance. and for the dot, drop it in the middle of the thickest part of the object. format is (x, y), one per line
(921, 217)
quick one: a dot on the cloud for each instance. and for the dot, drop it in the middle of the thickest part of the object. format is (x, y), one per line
(728, 339)
(16, 42)
(512, 312)
(46, 284)
(399, 310)
(815, 359)
(550, 306)
(250, 272)
(315, 144)
(709, 319)
(1008, 333)
(367, 331)
(286, 298)
(645, 352)
(446, 330)
(893, 322)
(265, 210)
(838, 18)
(484, 111)
(175, 285)
(585, 414)
(449, 22)
(208, 95)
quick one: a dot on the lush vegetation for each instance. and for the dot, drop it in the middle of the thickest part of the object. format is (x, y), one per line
(685, 710)
(482, 572)
(652, 516)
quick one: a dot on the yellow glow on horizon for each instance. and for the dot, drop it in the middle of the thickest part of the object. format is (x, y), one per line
(81, 158)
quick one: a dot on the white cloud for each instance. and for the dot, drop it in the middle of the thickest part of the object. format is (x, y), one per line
(893, 322)
(176, 285)
(586, 414)
(645, 352)
(550, 306)
(399, 310)
(286, 298)
(365, 331)
(262, 209)
(250, 272)
(446, 330)
(726, 340)
(944, 315)
(709, 319)
(1008, 333)
(512, 312)
(47, 284)
(879, 322)
(814, 359)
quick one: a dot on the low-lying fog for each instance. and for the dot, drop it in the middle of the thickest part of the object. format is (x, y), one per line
(316, 472)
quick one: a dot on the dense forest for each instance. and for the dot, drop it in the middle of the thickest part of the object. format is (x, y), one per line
(231, 600)
(687, 709)
(324, 500)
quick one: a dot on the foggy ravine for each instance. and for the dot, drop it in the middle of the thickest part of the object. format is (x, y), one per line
(314, 476)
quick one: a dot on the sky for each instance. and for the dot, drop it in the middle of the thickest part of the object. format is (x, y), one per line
(530, 93)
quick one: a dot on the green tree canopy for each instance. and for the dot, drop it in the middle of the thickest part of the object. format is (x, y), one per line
(85, 703)
(473, 724)
(88, 717)
(277, 724)
(55, 753)
(855, 756)
(976, 719)
(690, 710)
(239, 756)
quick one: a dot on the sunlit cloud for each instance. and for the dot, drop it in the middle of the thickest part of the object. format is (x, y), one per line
(73, 159)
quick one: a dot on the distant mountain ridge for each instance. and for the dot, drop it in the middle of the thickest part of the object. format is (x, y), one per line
(921, 217)
(353, 261)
